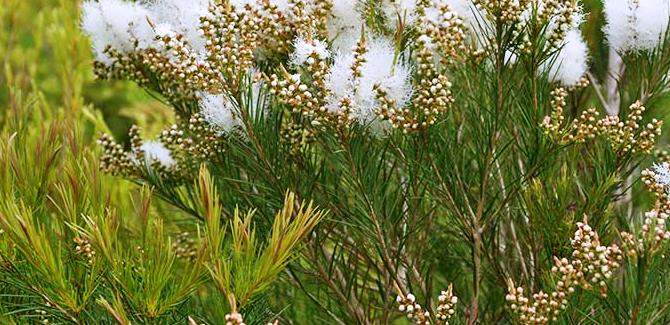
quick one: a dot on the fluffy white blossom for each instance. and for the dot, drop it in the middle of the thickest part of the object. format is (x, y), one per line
(379, 68)
(662, 174)
(115, 23)
(223, 114)
(571, 62)
(219, 111)
(183, 16)
(305, 48)
(636, 24)
(344, 26)
(156, 151)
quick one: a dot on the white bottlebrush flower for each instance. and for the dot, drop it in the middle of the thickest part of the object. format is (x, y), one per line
(345, 24)
(571, 62)
(156, 151)
(380, 69)
(652, 23)
(184, 17)
(662, 174)
(305, 48)
(219, 111)
(636, 24)
(115, 23)
(620, 20)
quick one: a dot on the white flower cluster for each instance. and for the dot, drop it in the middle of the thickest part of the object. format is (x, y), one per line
(116, 23)
(636, 24)
(661, 174)
(344, 28)
(380, 67)
(304, 48)
(156, 151)
(223, 114)
(120, 24)
(219, 111)
(571, 61)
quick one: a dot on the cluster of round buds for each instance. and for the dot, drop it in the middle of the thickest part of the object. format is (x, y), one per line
(179, 61)
(359, 59)
(320, 14)
(621, 135)
(83, 247)
(545, 307)
(296, 136)
(184, 246)
(631, 136)
(445, 307)
(234, 318)
(196, 138)
(302, 19)
(654, 231)
(387, 109)
(300, 98)
(506, 11)
(433, 98)
(231, 39)
(560, 14)
(115, 160)
(135, 140)
(42, 315)
(595, 261)
(590, 266)
(446, 31)
(552, 123)
(432, 95)
(275, 29)
(655, 227)
(343, 118)
(205, 140)
(317, 68)
(624, 136)
(583, 128)
(583, 82)
(630, 244)
(414, 311)
(123, 66)
(151, 69)
(527, 311)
